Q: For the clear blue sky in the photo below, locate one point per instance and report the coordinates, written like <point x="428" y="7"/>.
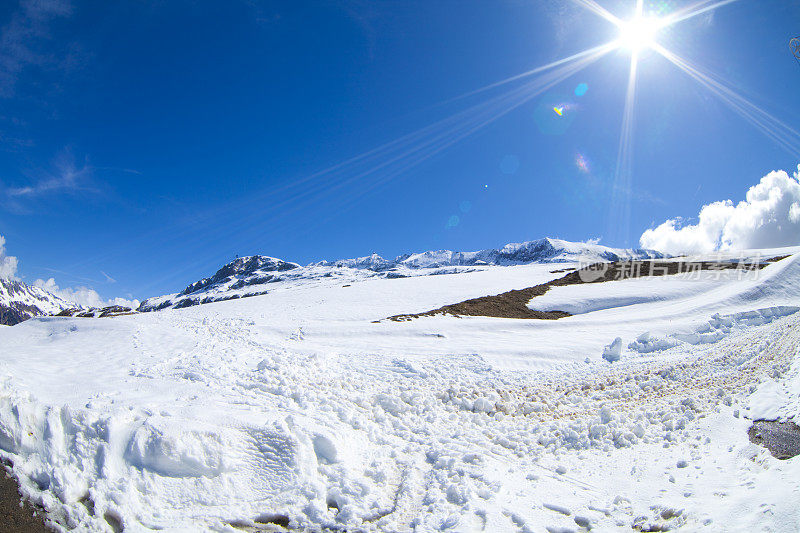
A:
<point x="153" y="141"/>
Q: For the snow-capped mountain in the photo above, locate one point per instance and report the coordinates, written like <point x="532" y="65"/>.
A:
<point x="19" y="302"/>
<point x="539" y="251"/>
<point x="255" y="275"/>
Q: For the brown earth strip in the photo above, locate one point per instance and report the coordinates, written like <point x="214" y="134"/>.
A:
<point x="13" y="517"/>
<point x="514" y="303"/>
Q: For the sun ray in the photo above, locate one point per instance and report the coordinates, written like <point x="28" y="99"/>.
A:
<point x="474" y="120"/>
<point x="784" y="135"/>
<point x="369" y="170"/>
<point x="694" y="10"/>
<point x="409" y="141"/>
<point x="603" y="48"/>
<point x="595" y="8"/>
<point x="431" y="140"/>
<point x="620" y="207"/>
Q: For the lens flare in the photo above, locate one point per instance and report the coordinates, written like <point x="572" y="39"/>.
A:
<point x="582" y="163"/>
<point x="639" y="33"/>
<point x="636" y="35"/>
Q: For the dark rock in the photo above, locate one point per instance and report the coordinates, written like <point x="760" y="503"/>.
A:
<point x="114" y="310"/>
<point x="241" y="268"/>
<point x="277" y="519"/>
<point x="186" y="302"/>
<point x="782" y="439"/>
<point x="19" y="313"/>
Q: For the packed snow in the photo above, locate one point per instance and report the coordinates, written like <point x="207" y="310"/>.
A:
<point x="303" y="409"/>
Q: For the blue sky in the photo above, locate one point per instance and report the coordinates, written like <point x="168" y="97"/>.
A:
<point x="144" y="144"/>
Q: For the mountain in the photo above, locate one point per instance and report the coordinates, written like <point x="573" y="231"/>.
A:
<point x="19" y="302"/>
<point x="254" y="275"/>
<point x="539" y="251"/>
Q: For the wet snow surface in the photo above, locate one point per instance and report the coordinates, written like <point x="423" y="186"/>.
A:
<point x="293" y="409"/>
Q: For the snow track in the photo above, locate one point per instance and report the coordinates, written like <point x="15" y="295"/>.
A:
<point x="293" y="410"/>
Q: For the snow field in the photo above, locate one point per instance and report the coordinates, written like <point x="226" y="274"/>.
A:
<point x="295" y="408"/>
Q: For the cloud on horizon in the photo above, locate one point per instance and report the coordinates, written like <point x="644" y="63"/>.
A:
<point x="83" y="296"/>
<point x="8" y="264"/>
<point x="769" y="217"/>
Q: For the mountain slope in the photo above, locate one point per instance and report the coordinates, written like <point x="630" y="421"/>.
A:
<point x="254" y="275"/>
<point x="19" y="302"/>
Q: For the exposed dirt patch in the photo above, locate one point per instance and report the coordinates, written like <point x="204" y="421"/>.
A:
<point x="782" y="439"/>
<point x="13" y="517"/>
<point x="514" y="303"/>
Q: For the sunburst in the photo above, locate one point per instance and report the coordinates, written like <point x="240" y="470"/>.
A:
<point x="641" y="33"/>
<point x="638" y="33"/>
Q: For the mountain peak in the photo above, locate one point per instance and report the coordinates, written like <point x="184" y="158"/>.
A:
<point x="20" y="301"/>
<point x="241" y="267"/>
<point x="249" y="275"/>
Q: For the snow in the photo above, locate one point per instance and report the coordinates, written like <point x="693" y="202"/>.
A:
<point x="296" y="406"/>
<point x="257" y="275"/>
<point x="613" y="351"/>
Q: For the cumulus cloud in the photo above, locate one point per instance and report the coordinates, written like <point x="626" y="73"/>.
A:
<point x="8" y="264"/>
<point x="83" y="296"/>
<point x="769" y="217"/>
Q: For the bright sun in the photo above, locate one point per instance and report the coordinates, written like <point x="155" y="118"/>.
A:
<point x="638" y="33"/>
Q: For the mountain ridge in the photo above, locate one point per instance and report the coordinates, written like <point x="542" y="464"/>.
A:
<point x="20" y="301"/>
<point x="250" y="275"/>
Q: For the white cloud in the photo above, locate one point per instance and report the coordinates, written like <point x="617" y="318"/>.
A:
<point x="8" y="264"/>
<point x="67" y="177"/>
<point x="769" y="217"/>
<point x="83" y="296"/>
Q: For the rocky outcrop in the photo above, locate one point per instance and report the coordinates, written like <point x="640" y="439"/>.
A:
<point x="20" y="301"/>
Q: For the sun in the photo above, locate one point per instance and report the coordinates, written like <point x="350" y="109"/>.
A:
<point x="638" y="33"/>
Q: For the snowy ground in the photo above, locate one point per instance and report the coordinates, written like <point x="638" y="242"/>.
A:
<point x="295" y="406"/>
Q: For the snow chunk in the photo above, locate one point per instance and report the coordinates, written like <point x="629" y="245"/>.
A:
<point x="557" y="508"/>
<point x="613" y="351"/>
<point x="325" y="449"/>
<point x="482" y="405"/>
<point x="391" y="404"/>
